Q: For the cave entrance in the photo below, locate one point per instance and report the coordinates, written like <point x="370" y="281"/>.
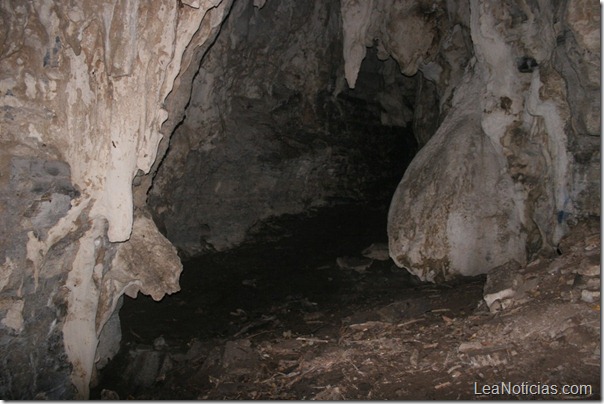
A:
<point x="275" y="189"/>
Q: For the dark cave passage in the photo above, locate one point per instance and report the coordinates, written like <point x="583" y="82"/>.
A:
<point x="272" y="129"/>
<point x="293" y="257"/>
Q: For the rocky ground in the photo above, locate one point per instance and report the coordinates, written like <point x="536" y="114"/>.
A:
<point x="305" y="314"/>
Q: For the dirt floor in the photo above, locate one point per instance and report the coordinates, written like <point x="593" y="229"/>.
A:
<point x="302" y="314"/>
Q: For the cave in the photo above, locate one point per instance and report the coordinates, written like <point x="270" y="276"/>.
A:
<point x="291" y="199"/>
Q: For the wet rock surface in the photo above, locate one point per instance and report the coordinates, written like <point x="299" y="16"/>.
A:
<point x="279" y="319"/>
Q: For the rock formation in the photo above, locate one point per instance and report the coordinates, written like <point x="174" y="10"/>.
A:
<point x="516" y="157"/>
<point x="271" y="128"/>
<point x="503" y="98"/>
<point x="83" y="89"/>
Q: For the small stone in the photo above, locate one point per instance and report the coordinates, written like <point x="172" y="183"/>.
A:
<point x="495" y="307"/>
<point x="357" y="264"/>
<point x="377" y="251"/>
<point x="165" y="368"/>
<point x="469" y="346"/>
<point x="143" y="367"/>
<point x="593" y="284"/>
<point x="499" y="296"/>
<point x="589" y="297"/>
<point x="329" y="394"/>
<point x="159" y="343"/>
<point x="592" y="270"/>
<point x="107" y="394"/>
<point x="554" y="269"/>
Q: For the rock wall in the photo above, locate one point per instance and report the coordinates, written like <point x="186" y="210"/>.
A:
<point x="516" y="158"/>
<point x="83" y="94"/>
<point x="271" y="128"/>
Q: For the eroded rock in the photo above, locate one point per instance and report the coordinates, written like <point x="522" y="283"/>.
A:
<point x="377" y="251"/>
<point x="271" y="130"/>
<point x="82" y="99"/>
<point x="498" y="180"/>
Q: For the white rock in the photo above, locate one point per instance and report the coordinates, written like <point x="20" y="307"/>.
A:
<point x="499" y="296"/>
<point x="589" y="296"/>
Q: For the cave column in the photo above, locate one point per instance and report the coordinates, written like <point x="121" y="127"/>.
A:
<point x="86" y="85"/>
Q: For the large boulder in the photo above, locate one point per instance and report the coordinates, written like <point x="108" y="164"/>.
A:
<point x="453" y="212"/>
<point x="515" y="160"/>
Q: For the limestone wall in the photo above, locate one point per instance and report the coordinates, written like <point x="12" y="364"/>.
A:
<point x="83" y="90"/>
<point x="273" y="129"/>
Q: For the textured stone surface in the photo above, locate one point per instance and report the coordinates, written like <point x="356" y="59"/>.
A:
<point x="506" y="170"/>
<point x="577" y="58"/>
<point x="268" y="131"/>
<point x="384" y="23"/>
<point x="36" y="192"/>
<point x="439" y="222"/>
<point x="83" y="91"/>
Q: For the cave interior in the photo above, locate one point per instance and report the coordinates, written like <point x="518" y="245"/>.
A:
<point x="297" y="199"/>
<point x="275" y="189"/>
<point x="311" y="177"/>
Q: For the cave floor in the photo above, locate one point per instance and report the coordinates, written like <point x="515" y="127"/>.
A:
<point x="284" y="318"/>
